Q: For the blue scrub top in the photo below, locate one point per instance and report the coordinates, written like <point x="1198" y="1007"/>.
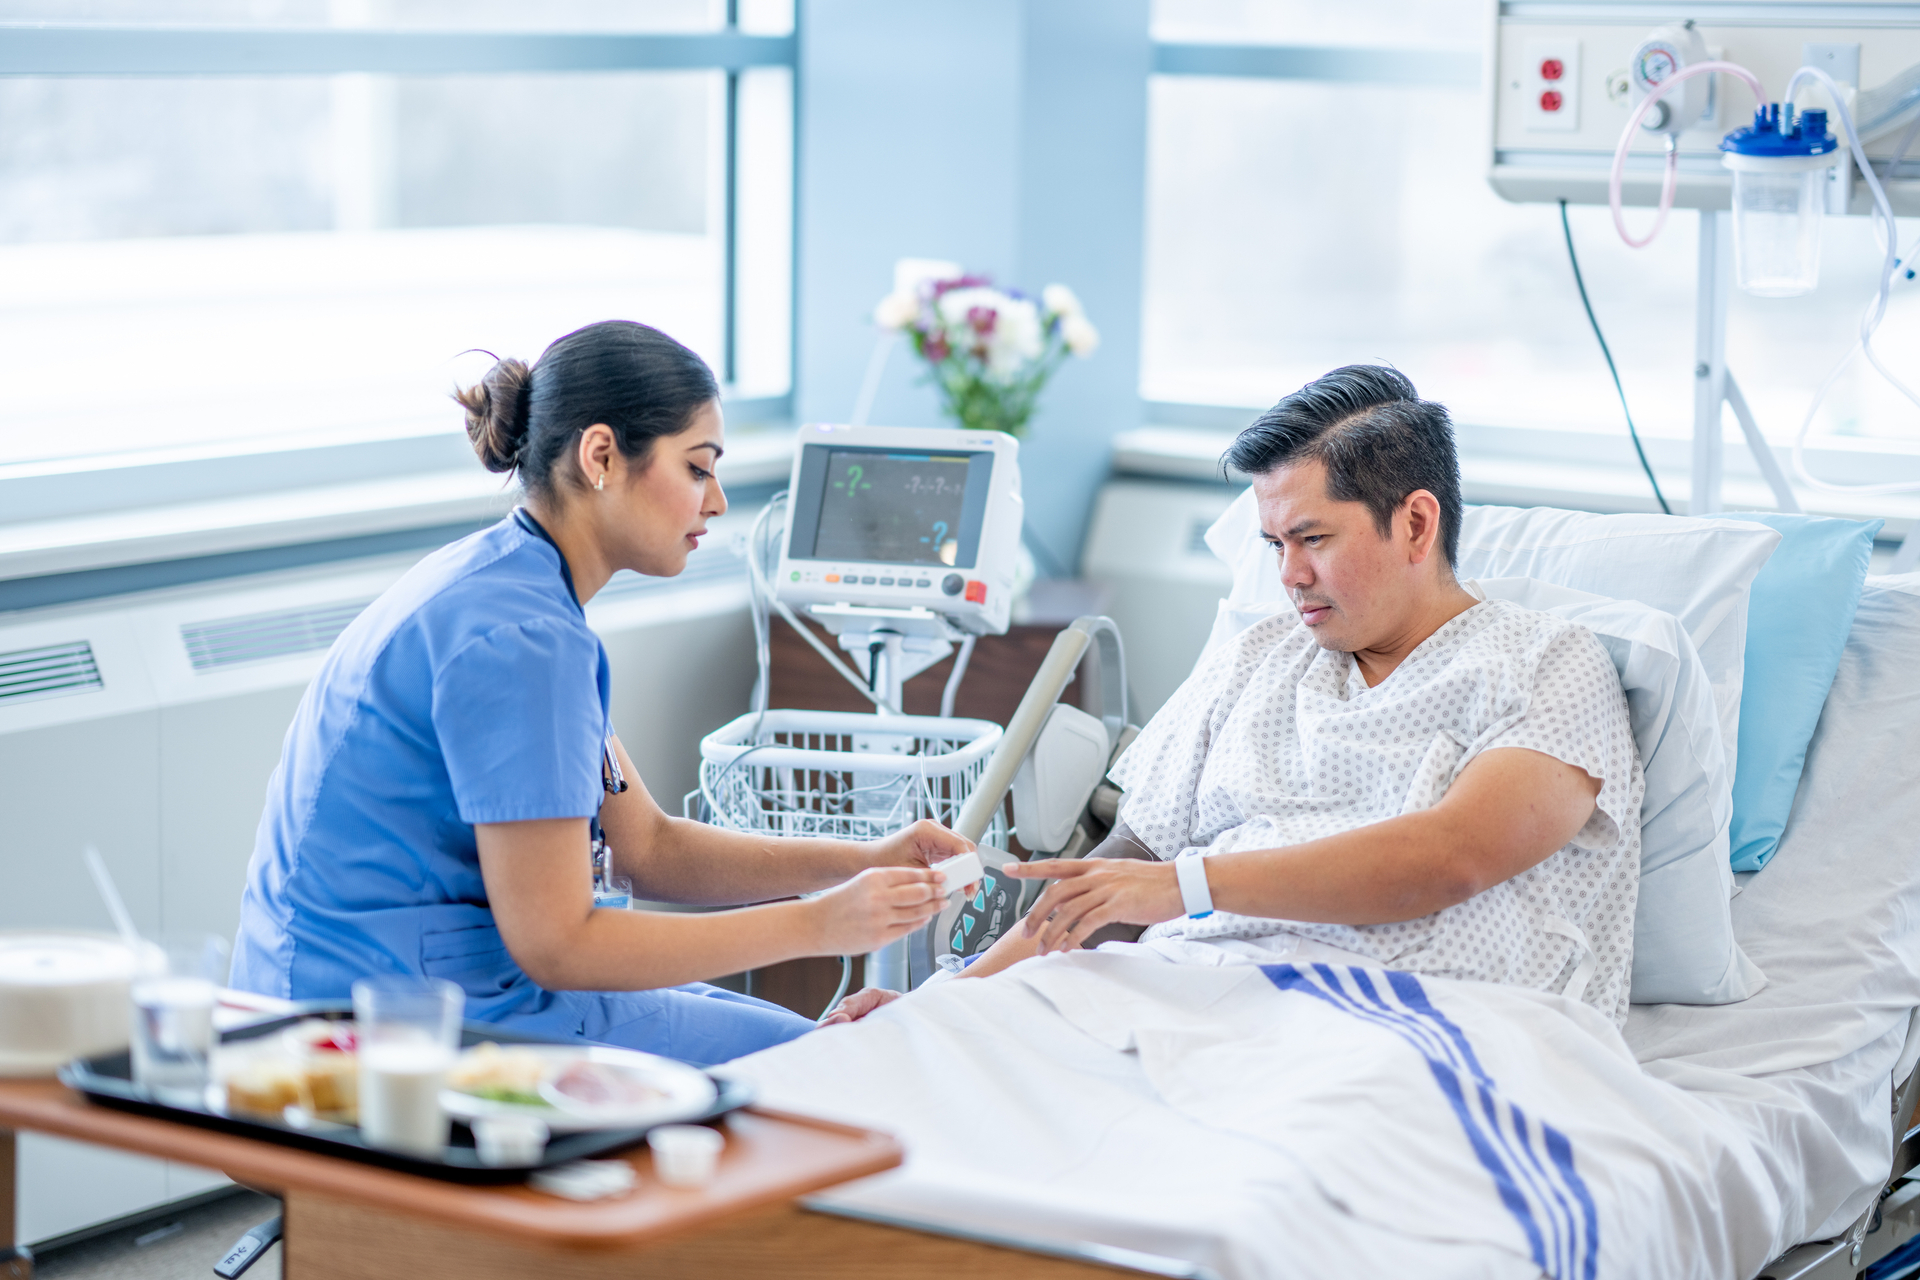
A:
<point x="471" y="691"/>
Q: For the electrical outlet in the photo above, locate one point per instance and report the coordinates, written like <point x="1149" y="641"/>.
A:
<point x="1549" y="81"/>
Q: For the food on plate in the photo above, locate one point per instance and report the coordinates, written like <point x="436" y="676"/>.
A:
<point x="588" y="1084"/>
<point x="264" y="1086"/>
<point x="510" y="1075"/>
<point x="312" y="1067"/>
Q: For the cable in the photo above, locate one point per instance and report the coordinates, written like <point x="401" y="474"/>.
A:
<point x="840" y="992"/>
<point x="1672" y="178"/>
<point x="1632" y="432"/>
<point x="1876" y="309"/>
<point x="960" y="661"/>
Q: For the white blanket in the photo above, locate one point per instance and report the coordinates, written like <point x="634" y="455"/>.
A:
<point x="1287" y="1121"/>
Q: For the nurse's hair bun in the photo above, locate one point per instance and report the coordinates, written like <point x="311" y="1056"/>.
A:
<point x="499" y="410"/>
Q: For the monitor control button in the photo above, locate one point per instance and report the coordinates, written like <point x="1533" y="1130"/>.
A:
<point x="886" y="582"/>
<point x="976" y="592"/>
<point x="866" y="582"/>
<point x="923" y="583"/>
<point x="953" y="584"/>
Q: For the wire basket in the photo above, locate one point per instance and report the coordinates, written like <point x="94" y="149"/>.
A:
<point x="839" y="773"/>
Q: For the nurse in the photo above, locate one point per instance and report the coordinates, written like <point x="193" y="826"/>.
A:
<point x="450" y="769"/>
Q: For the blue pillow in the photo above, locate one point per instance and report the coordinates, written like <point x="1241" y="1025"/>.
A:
<point x="1798" y="618"/>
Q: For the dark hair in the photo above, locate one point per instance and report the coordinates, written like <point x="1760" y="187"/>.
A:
<point x="637" y="380"/>
<point x="1378" y="440"/>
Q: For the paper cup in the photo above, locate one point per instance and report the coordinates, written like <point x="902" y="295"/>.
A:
<point x="685" y="1155"/>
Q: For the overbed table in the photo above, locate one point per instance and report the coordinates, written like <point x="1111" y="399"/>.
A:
<point x="344" y="1218"/>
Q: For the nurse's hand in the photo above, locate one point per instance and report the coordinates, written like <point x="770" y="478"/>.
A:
<point x="875" y="907"/>
<point x="859" y="1005"/>
<point x="920" y="845"/>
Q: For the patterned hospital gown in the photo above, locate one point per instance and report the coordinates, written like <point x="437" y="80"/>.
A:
<point x="1274" y="741"/>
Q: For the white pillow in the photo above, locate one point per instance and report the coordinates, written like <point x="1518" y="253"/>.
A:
<point x="1699" y="570"/>
<point x="1684" y="949"/>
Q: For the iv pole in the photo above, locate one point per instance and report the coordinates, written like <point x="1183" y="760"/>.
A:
<point x="1713" y="385"/>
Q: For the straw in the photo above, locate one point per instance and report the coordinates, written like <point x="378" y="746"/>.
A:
<point x="103" y="880"/>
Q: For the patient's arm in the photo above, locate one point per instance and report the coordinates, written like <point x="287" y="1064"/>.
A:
<point x="1509" y="810"/>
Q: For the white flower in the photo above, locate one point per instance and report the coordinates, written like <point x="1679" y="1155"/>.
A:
<point x="958" y="308"/>
<point x="1061" y="301"/>
<point x="1080" y="336"/>
<point x="1017" y="338"/>
<point x="897" y="310"/>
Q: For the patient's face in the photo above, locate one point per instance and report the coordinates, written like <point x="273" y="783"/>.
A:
<point x="1350" y="585"/>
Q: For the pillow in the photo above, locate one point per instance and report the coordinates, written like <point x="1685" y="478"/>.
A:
<point x="1698" y="570"/>
<point x="1798" y="620"/>
<point x="1683" y="945"/>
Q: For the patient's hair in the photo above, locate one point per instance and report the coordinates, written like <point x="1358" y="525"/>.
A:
<point x="637" y="380"/>
<point x="1378" y="440"/>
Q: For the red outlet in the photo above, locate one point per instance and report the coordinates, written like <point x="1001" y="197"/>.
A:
<point x="1551" y="100"/>
<point x="1552" y="69"/>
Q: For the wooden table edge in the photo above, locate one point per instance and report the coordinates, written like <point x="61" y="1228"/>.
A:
<point x="513" y="1211"/>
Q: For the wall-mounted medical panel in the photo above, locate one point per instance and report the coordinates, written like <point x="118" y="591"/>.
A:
<point x="1560" y="91"/>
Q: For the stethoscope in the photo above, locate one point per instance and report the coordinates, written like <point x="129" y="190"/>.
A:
<point x="612" y="780"/>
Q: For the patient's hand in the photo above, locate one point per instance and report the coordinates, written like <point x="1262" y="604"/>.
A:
<point x="1091" y="892"/>
<point x="859" y="1005"/>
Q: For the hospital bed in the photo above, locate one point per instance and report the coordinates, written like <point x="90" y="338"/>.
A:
<point x="1811" y="1083"/>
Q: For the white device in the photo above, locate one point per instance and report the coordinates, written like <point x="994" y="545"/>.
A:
<point x="1067" y="762"/>
<point x="912" y="530"/>
<point x="959" y="871"/>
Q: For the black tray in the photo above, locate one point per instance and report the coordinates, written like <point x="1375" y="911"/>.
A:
<point x="108" y="1080"/>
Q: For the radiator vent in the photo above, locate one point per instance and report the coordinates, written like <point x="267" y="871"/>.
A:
<point x="229" y="642"/>
<point x="50" y="672"/>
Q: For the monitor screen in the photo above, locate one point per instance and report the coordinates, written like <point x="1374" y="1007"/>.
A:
<point x="890" y="506"/>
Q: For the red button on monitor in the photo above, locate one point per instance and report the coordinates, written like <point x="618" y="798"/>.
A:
<point x="1552" y="69"/>
<point x="976" y="592"/>
<point x="1551" y="100"/>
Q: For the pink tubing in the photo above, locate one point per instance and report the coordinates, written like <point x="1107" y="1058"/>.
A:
<point x="1673" y="151"/>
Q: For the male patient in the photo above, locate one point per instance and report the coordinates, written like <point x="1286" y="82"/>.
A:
<point x="1394" y="772"/>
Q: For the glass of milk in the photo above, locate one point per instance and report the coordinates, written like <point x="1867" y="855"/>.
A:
<point x="174" y="990"/>
<point x="409" y="1033"/>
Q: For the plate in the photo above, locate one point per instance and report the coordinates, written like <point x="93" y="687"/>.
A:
<point x="684" y="1092"/>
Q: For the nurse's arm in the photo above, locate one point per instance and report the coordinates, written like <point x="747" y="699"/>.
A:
<point x="540" y="888"/>
<point x="674" y="860"/>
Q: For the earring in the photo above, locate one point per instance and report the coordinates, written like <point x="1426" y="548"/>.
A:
<point x="601" y="483"/>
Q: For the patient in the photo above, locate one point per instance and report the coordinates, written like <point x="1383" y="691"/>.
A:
<point x="1394" y="771"/>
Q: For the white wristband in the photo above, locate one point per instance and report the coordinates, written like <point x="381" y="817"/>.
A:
<point x="1194" y="894"/>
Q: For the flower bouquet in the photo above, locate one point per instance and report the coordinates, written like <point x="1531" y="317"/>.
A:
<point x="990" y="351"/>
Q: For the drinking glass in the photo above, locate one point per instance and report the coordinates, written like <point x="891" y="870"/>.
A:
<point x="409" y="1034"/>
<point x="176" y="985"/>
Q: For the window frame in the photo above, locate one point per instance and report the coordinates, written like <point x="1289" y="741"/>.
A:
<point x="68" y="492"/>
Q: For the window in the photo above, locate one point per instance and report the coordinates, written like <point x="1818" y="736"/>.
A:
<point x="230" y="260"/>
<point x="1294" y="225"/>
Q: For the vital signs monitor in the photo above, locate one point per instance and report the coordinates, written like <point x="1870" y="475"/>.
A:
<point x="899" y="522"/>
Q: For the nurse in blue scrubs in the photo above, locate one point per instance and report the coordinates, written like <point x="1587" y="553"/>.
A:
<point x="438" y="793"/>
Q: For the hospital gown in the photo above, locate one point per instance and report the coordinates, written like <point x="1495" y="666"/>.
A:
<point x="1274" y="741"/>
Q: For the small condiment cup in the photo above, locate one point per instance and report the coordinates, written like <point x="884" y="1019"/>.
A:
<point x="685" y="1155"/>
<point x="506" y="1140"/>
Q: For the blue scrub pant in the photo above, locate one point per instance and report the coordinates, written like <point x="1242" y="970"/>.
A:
<point x="697" y="1023"/>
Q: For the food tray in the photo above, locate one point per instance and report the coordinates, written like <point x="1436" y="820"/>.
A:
<point x="108" y="1080"/>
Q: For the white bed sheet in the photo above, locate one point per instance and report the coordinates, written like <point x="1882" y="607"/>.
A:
<point x="1792" y="1085"/>
<point x="1834" y="922"/>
